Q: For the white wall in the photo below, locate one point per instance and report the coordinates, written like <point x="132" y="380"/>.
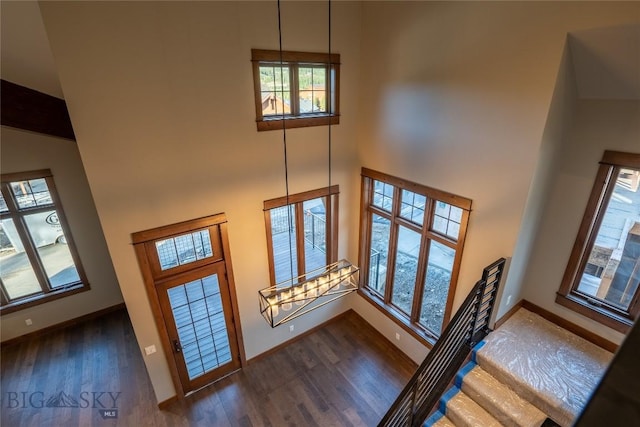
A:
<point x="598" y="125"/>
<point x="23" y="151"/>
<point x="456" y="96"/>
<point x="161" y="98"/>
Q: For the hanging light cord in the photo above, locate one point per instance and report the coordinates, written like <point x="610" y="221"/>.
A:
<point x="329" y="99"/>
<point x="284" y="143"/>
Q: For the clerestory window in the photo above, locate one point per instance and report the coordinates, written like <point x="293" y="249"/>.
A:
<point x="299" y="87"/>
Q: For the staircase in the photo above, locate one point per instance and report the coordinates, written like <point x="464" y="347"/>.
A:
<point x="528" y="373"/>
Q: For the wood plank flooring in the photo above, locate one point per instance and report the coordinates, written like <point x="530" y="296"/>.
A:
<point x="345" y="374"/>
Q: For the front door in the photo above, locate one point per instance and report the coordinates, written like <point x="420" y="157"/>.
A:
<point x="186" y="268"/>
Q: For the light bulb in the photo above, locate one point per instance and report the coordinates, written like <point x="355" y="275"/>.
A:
<point x="298" y="293"/>
<point x="273" y="303"/>
<point x="286" y="300"/>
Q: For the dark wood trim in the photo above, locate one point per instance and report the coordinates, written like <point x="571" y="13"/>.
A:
<point x="507" y="315"/>
<point x="452" y="199"/>
<point x="617" y="158"/>
<point x="297" y="122"/>
<point x="395" y="315"/>
<point x="300" y="197"/>
<point x="231" y="284"/>
<point x="34" y="111"/>
<point x="178" y="228"/>
<point x="292" y="56"/>
<point x="62" y="325"/>
<point x="571" y="327"/>
<point x="165" y="404"/>
<point x="597" y="314"/>
<point x="24" y="176"/>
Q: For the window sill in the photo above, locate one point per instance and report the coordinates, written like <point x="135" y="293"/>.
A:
<point x="598" y="314"/>
<point x="400" y="319"/>
<point x="31" y="301"/>
<point x="297" y="122"/>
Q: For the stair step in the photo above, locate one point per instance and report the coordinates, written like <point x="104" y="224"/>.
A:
<point x="546" y="365"/>
<point x="464" y="412"/>
<point x="438" y="419"/>
<point x="498" y="399"/>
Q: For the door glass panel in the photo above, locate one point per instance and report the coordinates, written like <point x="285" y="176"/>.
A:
<point x="184" y="249"/>
<point x="199" y="317"/>
<point x="380" y="231"/>
<point x="315" y="234"/>
<point x="612" y="272"/>
<point x="283" y="235"/>
<point x="49" y="239"/>
<point x="15" y="269"/>
<point x="406" y="268"/>
<point x="436" y="286"/>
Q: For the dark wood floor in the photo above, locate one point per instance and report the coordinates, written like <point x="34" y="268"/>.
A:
<point x="345" y="374"/>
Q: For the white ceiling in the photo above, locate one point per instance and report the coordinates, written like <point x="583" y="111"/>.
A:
<point x="606" y="60"/>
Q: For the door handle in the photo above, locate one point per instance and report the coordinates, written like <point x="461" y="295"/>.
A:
<point x="176" y="346"/>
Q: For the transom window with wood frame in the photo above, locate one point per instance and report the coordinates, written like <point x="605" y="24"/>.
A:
<point x="302" y="233"/>
<point x="301" y="87"/>
<point x="38" y="258"/>
<point x="603" y="273"/>
<point x="411" y="242"/>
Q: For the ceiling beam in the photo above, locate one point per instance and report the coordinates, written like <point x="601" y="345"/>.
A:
<point x="28" y="109"/>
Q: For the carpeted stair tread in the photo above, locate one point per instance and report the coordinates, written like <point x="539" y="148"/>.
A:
<point x="544" y="364"/>
<point x="498" y="399"/>
<point x="464" y="412"/>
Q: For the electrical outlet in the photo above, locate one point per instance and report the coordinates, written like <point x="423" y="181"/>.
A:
<point x="291" y="328"/>
<point x="397" y="336"/>
<point x="509" y="300"/>
<point x="150" y="350"/>
<point x="28" y="322"/>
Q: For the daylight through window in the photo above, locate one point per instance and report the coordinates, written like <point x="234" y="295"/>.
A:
<point x="302" y="235"/>
<point x="602" y="276"/>
<point x="303" y="88"/>
<point x="38" y="260"/>
<point x="411" y="248"/>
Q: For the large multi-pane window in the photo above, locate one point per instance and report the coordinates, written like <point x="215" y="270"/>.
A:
<point x="603" y="273"/>
<point x="412" y="240"/>
<point x="302" y="233"/>
<point x="38" y="260"/>
<point x="300" y="87"/>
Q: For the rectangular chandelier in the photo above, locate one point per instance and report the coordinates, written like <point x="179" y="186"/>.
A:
<point x="293" y="298"/>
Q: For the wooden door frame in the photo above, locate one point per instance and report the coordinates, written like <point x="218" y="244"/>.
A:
<point x="139" y="240"/>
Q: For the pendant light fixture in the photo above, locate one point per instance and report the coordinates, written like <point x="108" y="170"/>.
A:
<point x="299" y="295"/>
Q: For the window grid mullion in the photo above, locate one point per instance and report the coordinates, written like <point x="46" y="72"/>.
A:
<point x="300" y="253"/>
<point x="32" y="254"/>
<point x="423" y="261"/>
<point x="393" y="245"/>
<point x="294" y="90"/>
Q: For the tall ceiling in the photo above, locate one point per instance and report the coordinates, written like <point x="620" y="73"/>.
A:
<point x="606" y="60"/>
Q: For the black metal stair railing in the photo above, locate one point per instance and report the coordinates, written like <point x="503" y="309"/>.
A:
<point x="468" y="327"/>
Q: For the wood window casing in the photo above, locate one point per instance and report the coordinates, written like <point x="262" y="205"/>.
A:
<point x="156" y="280"/>
<point x="568" y="294"/>
<point x="18" y="215"/>
<point x="293" y="60"/>
<point x="409" y="321"/>
<point x="331" y="203"/>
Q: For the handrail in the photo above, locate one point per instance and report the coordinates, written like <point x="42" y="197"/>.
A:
<point x="468" y="327"/>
